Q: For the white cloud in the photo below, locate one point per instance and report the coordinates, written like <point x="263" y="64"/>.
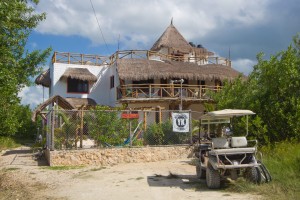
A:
<point x="244" y="65"/>
<point x="144" y="20"/>
<point x="33" y="95"/>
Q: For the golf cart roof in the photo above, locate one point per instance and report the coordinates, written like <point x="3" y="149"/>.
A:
<point x="227" y="113"/>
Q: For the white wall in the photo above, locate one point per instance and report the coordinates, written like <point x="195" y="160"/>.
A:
<point x="98" y="90"/>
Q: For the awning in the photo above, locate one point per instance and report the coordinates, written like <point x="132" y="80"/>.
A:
<point x="80" y="74"/>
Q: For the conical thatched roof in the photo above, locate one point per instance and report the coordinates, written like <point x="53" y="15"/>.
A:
<point x="80" y="74"/>
<point x="140" y="69"/>
<point x="172" y="39"/>
<point x="44" y="79"/>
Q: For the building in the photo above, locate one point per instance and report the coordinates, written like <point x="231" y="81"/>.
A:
<point x="174" y="74"/>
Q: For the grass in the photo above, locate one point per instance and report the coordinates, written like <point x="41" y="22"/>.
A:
<point x="8" y="143"/>
<point x="10" y="169"/>
<point x="283" y="162"/>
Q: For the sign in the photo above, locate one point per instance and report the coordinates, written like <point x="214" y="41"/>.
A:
<point x="181" y="122"/>
<point x="130" y="115"/>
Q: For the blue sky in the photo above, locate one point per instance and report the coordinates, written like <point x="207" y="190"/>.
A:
<point x="246" y="27"/>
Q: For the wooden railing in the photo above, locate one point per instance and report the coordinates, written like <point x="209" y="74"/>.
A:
<point x="97" y="60"/>
<point x="157" y="91"/>
<point x="79" y="59"/>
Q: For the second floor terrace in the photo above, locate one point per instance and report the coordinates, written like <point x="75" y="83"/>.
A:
<point x="165" y="92"/>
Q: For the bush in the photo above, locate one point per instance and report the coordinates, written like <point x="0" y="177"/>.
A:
<point x="106" y="127"/>
<point x="162" y="134"/>
<point x="7" y="143"/>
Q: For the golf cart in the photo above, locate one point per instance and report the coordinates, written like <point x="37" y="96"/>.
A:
<point x="221" y="155"/>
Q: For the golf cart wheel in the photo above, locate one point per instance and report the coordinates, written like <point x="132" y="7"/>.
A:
<point x="213" y="178"/>
<point x="201" y="173"/>
<point x="252" y="174"/>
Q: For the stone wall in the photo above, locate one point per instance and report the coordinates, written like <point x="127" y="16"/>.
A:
<point x="113" y="156"/>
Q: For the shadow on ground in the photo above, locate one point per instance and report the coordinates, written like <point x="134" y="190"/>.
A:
<point x="26" y="156"/>
<point x="185" y="182"/>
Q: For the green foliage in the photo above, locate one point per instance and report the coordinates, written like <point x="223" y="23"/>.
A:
<point x="26" y="129"/>
<point x="106" y="127"/>
<point x="283" y="162"/>
<point x="17" y="65"/>
<point x="154" y="134"/>
<point x="272" y="91"/>
<point x="8" y="143"/>
<point x="66" y="135"/>
<point x="162" y="134"/>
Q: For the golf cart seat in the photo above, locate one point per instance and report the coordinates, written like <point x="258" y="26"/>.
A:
<point x="232" y="151"/>
<point x="220" y="143"/>
<point x="238" y="142"/>
<point x="238" y="145"/>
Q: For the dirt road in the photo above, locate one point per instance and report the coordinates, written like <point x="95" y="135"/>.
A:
<point x="24" y="178"/>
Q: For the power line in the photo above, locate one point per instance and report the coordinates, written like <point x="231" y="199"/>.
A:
<point x="99" y="26"/>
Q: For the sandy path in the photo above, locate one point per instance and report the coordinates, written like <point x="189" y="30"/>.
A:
<point x="157" y="180"/>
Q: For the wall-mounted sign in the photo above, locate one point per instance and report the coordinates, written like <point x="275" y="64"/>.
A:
<point x="181" y="122"/>
<point x="130" y="115"/>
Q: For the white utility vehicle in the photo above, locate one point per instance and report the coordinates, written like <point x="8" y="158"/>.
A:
<point x="221" y="155"/>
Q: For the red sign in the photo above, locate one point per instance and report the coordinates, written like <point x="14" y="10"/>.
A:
<point x="130" y="116"/>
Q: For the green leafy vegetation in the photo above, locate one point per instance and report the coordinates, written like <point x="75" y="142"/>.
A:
<point x="162" y="134"/>
<point x="107" y="128"/>
<point x="271" y="91"/>
<point x="17" y="64"/>
<point x="8" y="143"/>
<point x="283" y="162"/>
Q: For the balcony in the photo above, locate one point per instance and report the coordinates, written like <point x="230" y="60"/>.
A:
<point x="161" y="92"/>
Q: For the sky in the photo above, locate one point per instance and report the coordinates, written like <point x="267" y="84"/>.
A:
<point x="244" y="27"/>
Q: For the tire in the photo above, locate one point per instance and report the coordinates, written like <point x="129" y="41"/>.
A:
<point x="213" y="178"/>
<point x="201" y="173"/>
<point x="253" y="175"/>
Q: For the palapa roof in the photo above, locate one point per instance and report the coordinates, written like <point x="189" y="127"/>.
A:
<point x="142" y="69"/>
<point x="44" y="79"/>
<point x="79" y="73"/>
<point x="172" y="38"/>
<point x="60" y="101"/>
<point x="78" y="102"/>
<point x="64" y="103"/>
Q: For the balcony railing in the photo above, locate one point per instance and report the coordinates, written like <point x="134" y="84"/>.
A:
<point x="165" y="91"/>
<point x="97" y="60"/>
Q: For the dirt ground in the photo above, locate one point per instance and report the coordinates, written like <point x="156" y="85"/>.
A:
<point x="23" y="177"/>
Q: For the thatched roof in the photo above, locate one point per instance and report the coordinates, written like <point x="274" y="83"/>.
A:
<point x="142" y="69"/>
<point x="78" y="102"/>
<point x="60" y="101"/>
<point x="44" y="79"/>
<point x="172" y="39"/>
<point x="80" y="74"/>
<point x="64" y="103"/>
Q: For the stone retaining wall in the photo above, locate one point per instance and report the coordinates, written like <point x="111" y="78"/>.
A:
<point x="113" y="156"/>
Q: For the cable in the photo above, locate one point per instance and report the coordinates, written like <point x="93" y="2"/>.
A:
<point x="99" y="26"/>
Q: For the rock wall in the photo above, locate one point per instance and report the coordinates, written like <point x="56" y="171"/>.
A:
<point x="113" y="156"/>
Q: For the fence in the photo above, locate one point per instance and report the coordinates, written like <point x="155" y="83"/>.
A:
<point x="109" y="128"/>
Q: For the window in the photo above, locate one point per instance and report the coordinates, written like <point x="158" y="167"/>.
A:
<point x="77" y="86"/>
<point x="112" y="82"/>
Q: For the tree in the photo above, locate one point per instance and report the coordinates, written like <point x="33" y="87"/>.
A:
<point x="272" y="91"/>
<point x="17" y="65"/>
